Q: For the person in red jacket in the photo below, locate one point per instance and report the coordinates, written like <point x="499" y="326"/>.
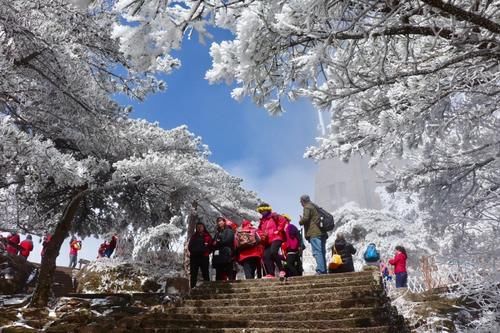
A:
<point x="101" y="252"/>
<point x="292" y="248"/>
<point x="27" y="246"/>
<point x="399" y="263"/>
<point x="75" y="245"/>
<point x="249" y="256"/>
<point x="12" y="243"/>
<point x="199" y="251"/>
<point x="111" y="246"/>
<point x="271" y="231"/>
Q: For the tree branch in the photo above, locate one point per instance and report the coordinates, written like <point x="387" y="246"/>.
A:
<point x="465" y="15"/>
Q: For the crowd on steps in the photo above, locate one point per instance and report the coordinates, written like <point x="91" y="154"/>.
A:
<point x="12" y="244"/>
<point x="273" y="247"/>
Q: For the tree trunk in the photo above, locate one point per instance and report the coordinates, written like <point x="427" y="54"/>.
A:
<point x="48" y="266"/>
<point x="193" y="218"/>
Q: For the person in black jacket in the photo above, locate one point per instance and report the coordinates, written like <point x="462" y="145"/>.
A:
<point x="199" y="250"/>
<point x="223" y="245"/>
<point x="346" y="250"/>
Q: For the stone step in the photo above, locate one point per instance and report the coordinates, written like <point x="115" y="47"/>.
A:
<point x="153" y="322"/>
<point x="273" y="308"/>
<point x="298" y="279"/>
<point x="293" y="316"/>
<point x="281" y="286"/>
<point x="274" y="293"/>
<point x="378" y="329"/>
<point x="359" y="292"/>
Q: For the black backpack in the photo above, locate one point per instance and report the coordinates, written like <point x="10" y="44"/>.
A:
<point x="326" y="222"/>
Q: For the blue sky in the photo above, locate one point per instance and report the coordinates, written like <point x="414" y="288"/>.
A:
<point x="265" y="151"/>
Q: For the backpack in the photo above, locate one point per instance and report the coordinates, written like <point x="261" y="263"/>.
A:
<point x="293" y="238"/>
<point x="335" y="261"/>
<point x="246" y="238"/>
<point x="326" y="222"/>
<point x="371" y="253"/>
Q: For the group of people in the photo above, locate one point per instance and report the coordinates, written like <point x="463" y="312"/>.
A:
<point x="14" y="246"/>
<point x="107" y="248"/>
<point x="274" y="248"/>
<point x="372" y="258"/>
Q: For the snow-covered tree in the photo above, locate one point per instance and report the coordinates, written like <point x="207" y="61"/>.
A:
<point x="71" y="159"/>
<point x="415" y="79"/>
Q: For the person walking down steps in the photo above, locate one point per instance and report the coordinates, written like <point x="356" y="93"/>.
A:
<point x="248" y="248"/>
<point x="199" y="251"/>
<point x="292" y="248"/>
<point x="223" y="246"/>
<point x="271" y="232"/>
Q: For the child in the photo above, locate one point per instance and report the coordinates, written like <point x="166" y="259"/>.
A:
<point x="399" y="263"/>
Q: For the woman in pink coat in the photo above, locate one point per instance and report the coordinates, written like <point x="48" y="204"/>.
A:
<point x="271" y="231"/>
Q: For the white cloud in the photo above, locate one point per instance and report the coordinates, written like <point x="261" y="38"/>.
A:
<point x="281" y="187"/>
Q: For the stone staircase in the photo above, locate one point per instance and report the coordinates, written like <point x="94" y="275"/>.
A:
<point x="350" y="302"/>
<point x="63" y="281"/>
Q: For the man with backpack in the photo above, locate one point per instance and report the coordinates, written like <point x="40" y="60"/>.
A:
<point x="371" y="255"/>
<point x="311" y="219"/>
<point x="199" y="251"/>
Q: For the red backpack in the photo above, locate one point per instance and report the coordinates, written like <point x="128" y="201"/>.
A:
<point x="245" y="239"/>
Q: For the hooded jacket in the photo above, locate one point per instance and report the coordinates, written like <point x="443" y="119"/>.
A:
<point x="27" y="246"/>
<point x="399" y="262"/>
<point x="271" y="227"/>
<point x="12" y="241"/>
